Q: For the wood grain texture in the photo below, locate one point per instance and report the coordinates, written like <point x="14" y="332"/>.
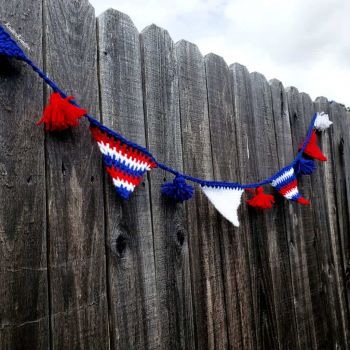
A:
<point x="81" y="268"/>
<point x="330" y="257"/>
<point x="234" y="248"/>
<point x="171" y="253"/>
<point x="79" y="318"/>
<point x="319" y="300"/>
<point x="289" y="226"/>
<point x="276" y="325"/>
<point x="133" y="297"/>
<point x="246" y="149"/>
<point x="205" y="257"/>
<point x="24" y="308"/>
<point x="340" y="146"/>
<point x="303" y="236"/>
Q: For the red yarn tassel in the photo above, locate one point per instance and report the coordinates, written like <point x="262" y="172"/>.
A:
<point x="60" y="114"/>
<point x="303" y="201"/>
<point x="312" y="149"/>
<point x="261" y="200"/>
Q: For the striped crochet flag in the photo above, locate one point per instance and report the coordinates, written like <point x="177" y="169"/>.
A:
<point x="126" y="163"/>
<point x="286" y="184"/>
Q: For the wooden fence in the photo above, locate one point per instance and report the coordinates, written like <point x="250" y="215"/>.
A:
<point x="82" y="269"/>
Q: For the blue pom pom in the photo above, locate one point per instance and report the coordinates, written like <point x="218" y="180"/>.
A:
<point x="178" y="190"/>
<point x="304" y="166"/>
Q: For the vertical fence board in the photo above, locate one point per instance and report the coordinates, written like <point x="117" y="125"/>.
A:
<point x="205" y="259"/>
<point x="134" y="315"/>
<point x="341" y="157"/>
<point x="331" y="269"/>
<point x="225" y="165"/>
<point x="161" y="104"/>
<point x="321" y="320"/>
<point x="303" y="236"/>
<point x="75" y="197"/>
<point x="340" y="142"/>
<point x="276" y="320"/>
<point x="286" y="223"/>
<point x="246" y="146"/>
<point x="24" y="311"/>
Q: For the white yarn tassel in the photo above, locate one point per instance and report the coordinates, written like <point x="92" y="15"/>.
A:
<point x="322" y="122"/>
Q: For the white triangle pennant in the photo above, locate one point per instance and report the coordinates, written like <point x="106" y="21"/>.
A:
<point x="225" y="200"/>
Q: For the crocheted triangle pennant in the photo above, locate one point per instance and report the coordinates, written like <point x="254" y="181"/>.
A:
<point x="286" y="184"/>
<point x="8" y="47"/>
<point x="126" y="163"/>
<point x="225" y="200"/>
<point x="312" y="149"/>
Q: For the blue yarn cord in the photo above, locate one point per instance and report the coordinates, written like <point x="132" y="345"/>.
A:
<point x="245" y="186"/>
<point x="218" y="184"/>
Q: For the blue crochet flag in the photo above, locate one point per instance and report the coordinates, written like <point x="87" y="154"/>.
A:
<point x="8" y="47"/>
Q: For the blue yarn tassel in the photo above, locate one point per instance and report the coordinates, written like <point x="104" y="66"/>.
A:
<point x="8" y="47"/>
<point x="305" y="166"/>
<point x="178" y="190"/>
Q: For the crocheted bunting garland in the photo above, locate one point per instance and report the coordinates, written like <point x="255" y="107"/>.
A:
<point x="286" y="184"/>
<point x="126" y="163"/>
<point x="8" y="47"/>
<point x="225" y="200"/>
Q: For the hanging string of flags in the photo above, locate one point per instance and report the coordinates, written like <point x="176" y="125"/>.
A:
<point x="126" y="162"/>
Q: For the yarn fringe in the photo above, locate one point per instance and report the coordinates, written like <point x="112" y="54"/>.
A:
<point x="261" y="200"/>
<point x="60" y="113"/>
<point x="303" y="201"/>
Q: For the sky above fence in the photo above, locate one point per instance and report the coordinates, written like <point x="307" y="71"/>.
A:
<point x="302" y="43"/>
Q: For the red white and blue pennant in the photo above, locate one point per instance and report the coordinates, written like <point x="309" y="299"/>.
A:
<point x="125" y="162"/>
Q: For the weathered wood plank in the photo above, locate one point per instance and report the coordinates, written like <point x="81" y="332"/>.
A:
<point x="233" y="240"/>
<point x="302" y="237"/>
<point x="258" y="160"/>
<point x="243" y="109"/>
<point x="24" y="309"/>
<point x="326" y="303"/>
<point x="276" y="324"/>
<point x="340" y="146"/>
<point x="134" y="310"/>
<point x="205" y="258"/>
<point x="341" y="158"/>
<point x="161" y="106"/>
<point x="267" y="247"/>
<point x="330" y="257"/>
<point x="319" y="301"/>
<point x="75" y="192"/>
<point x="290" y="226"/>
